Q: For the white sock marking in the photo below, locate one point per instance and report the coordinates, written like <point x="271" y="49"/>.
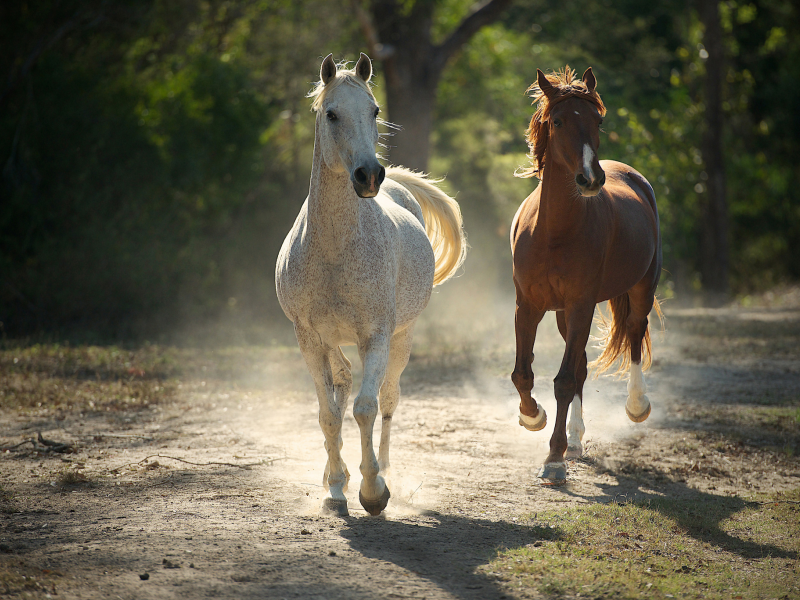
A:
<point x="637" y="401"/>
<point x="575" y="427"/>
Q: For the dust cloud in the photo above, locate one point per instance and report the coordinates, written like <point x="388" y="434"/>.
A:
<point x="458" y="405"/>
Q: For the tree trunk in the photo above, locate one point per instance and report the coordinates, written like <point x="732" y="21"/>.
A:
<point x="400" y="37"/>
<point x="412" y="77"/>
<point x="714" y="257"/>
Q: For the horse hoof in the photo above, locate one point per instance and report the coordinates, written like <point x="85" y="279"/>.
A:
<point x="554" y="472"/>
<point x="375" y="507"/>
<point x="331" y="507"/>
<point x="536" y="423"/>
<point x="642" y="417"/>
<point x="574" y="452"/>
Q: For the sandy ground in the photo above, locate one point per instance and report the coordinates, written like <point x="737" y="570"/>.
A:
<point x="463" y="481"/>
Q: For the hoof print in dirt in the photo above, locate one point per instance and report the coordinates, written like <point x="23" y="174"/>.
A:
<point x="334" y="508"/>
<point x="553" y="473"/>
<point x="144" y="576"/>
<point x="375" y="507"/>
<point x="168" y="564"/>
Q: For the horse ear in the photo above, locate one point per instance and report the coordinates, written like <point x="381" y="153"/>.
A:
<point x="364" y="67"/>
<point x="589" y="79"/>
<point x="328" y="69"/>
<point x="544" y="84"/>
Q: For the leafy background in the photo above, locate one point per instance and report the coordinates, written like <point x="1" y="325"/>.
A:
<point x="154" y="153"/>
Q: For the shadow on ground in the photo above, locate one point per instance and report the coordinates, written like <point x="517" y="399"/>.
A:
<point x="698" y="513"/>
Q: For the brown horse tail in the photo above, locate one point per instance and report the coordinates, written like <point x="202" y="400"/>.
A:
<point x="614" y="340"/>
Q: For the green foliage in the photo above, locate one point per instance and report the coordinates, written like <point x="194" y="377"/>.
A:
<point x="152" y="168"/>
<point x="155" y="153"/>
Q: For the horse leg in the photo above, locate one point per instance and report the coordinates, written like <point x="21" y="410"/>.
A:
<point x="575" y="426"/>
<point x="578" y="319"/>
<point x="373" y="495"/>
<point x="526" y="321"/>
<point x="399" y="353"/>
<point x="637" y="405"/>
<point x="317" y="359"/>
<point x="342" y="386"/>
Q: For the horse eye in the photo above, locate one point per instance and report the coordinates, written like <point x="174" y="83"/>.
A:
<point x="377" y="112"/>
<point x="331" y="115"/>
<point x="601" y="122"/>
<point x="557" y="122"/>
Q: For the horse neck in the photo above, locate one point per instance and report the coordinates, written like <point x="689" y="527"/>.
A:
<point x="332" y="205"/>
<point x="560" y="204"/>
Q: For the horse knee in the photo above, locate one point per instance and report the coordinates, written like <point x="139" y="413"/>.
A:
<point x="522" y="381"/>
<point x="365" y="409"/>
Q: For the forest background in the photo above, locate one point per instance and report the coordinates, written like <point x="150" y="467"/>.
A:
<point x="154" y="153"/>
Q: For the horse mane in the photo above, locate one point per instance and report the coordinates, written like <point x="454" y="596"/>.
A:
<point x="343" y="76"/>
<point x="537" y="134"/>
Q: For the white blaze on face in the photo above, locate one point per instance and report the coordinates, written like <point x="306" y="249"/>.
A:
<point x="588" y="155"/>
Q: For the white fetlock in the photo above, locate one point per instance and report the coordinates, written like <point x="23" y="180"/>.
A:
<point x="374" y="498"/>
<point x="638" y="409"/>
<point x="575" y="429"/>
<point x="374" y="490"/>
<point x="638" y="405"/>
<point x="536" y="423"/>
<point x="334" y="503"/>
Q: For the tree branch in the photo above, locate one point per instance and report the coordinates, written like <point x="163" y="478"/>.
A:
<point x="376" y="50"/>
<point x="485" y="15"/>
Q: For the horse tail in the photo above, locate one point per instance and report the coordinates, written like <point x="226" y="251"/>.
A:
<point x="443" y="223"/>
<point x="614" y="340"/>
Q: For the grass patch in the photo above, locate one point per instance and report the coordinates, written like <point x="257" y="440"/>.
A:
<point x="85" y="379"/>
<point x="71" y="477"/>
<point x="19" y="580"/>
<point x="775" y="428"/>
<point x="7" y="505"/>
<point x="717" y="548"/>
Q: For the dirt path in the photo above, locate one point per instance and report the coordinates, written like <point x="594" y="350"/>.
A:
<point x="723" y="388"/>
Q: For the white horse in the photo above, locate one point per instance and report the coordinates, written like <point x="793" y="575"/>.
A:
<point x="357" y="268"/>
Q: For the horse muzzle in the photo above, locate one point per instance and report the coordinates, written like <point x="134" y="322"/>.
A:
<point x="367" y="180"/>
<point x="590" y="186"/>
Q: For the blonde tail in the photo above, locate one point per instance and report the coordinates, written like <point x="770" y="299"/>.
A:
<point x="614" y="337"/>
<point x="443" y="222"/>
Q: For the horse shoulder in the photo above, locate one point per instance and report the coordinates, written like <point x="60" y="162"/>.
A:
<point x="289" y="270"/>
<point x="526" y="217"/>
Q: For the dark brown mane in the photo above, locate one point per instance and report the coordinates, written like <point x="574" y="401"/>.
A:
<point x="566" y="86"/>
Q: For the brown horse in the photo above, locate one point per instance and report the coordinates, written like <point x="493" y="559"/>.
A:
<point x="587" y="234"/>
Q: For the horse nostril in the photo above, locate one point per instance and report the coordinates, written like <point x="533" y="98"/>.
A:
<point x="581" y="180"/>
<point x="601" y="180"/>
<point x="360" y="175"/>
<point x="381" y="175"/>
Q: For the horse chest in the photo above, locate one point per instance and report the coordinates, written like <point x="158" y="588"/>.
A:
<point x="339" y="296"/>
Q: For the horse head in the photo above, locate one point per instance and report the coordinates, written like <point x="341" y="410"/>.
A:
<point x="566" y="127"/>
<point x="347" y="116"/>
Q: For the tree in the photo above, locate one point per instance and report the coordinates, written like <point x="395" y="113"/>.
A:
<point x="714" y="254"/>
<point x="398" y="35"/>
